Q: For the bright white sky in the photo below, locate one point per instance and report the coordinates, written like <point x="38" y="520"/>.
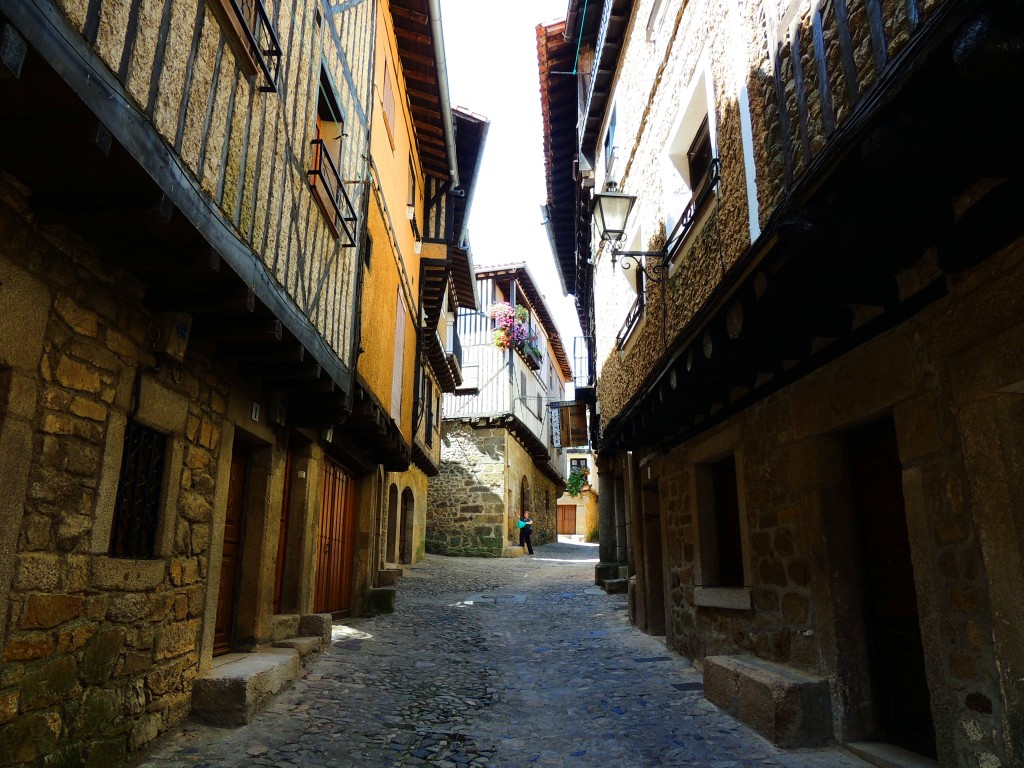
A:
<point x="492" y="71"/>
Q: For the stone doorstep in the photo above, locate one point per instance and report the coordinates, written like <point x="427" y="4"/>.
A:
<point x="615" y="586"/>
<point x="304" y="646"/>
<point x="788" y="707"/>
<point x="888" y="755"/>
<point x="388" y="577"/>
<point x="283" y="626"/>
<point x="238" y="685"/>
<point x="513" y="550"/>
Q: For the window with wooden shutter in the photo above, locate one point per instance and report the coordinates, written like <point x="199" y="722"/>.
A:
<point x="388" y="99"/>
<point x="399" y="361"/>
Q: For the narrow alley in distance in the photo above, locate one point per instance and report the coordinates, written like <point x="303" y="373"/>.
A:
<point x="492" y="662"/>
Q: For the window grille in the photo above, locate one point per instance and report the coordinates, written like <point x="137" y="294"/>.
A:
<point x="138" y="493"/>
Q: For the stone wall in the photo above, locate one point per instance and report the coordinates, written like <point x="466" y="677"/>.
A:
<point x="543" y="494"/>
<point x="99" y="653"/>
<point x="474" y="503"/>
<point x="754" y="47"/>
<point x="466" y="501"/>
<point x="936" y="376"/>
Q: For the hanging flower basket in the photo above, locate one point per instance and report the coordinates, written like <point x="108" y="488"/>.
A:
<point x="512" y="331"/>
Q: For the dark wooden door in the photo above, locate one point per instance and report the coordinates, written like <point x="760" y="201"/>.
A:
<point x="893" y="632"/>
<point x="233" y="526"/>
<point x="567" y="519"/>
<point x="335" y="541"/>
<point x="282" y="534"/>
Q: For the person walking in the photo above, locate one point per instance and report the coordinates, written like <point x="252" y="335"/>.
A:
<point x="526" y="532"/>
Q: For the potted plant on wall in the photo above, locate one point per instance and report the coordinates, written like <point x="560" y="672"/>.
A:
<point x="512" y="331"/>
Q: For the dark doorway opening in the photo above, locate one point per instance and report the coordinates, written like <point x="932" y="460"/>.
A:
<point x="892" y="626"/>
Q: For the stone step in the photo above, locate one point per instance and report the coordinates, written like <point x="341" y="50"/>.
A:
<point x="787" y="706"/>
<point x="238" y="685"/>
<point x="304" y="646"/>
<point x="284" y="625"/>
<point x="888" y="755"/>
<point x="513" y="550"/>
<point x="389" y="576"/>
<point x="614" y="586"/>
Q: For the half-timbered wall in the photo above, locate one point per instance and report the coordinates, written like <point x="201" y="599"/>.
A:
<point x="249" y="150"/>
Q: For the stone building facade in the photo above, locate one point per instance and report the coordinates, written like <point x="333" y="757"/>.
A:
<point x="814" y="329"/>
<point x="497" y="455"/>
<point x="190" y="470"/>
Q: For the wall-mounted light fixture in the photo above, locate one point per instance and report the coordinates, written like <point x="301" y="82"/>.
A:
<point x="611" y="212"/>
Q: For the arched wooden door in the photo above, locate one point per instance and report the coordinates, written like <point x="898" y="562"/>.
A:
<point x="408" y="515"/>
<point x="335" y="541"/>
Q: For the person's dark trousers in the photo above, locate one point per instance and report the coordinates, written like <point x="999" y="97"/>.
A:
<point x="525" y="539"/>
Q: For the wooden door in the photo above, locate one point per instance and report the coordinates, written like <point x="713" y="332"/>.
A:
<point x="282" y="534"/>
<point x="234" y="523"/>
<point x="893" y="628"/>
<point x="567" y="519"/>
<point x="335" y="542"/>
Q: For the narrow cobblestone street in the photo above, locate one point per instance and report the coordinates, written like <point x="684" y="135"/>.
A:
<point x="510" y="662"/>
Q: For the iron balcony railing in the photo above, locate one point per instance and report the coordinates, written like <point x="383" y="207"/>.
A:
<point x="262" y="39"/>
<point x="326" y="171"/>
<point x="705" y="191"/>
<point x="636" y="312"/>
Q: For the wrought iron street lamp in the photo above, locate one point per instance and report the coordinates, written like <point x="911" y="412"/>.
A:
<point x="611" y="211"/>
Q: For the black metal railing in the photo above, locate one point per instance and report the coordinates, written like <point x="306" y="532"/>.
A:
<point x="705" y="190"/>
<point x="261" y="38"/>
<point x="333" y="190"/>
<point x="636" y="312"/>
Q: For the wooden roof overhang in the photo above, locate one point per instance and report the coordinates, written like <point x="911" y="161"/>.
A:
<point x="416" y="50"/>
<point x="534" y="298"/>
<point x="94" y="165"/>
<point x="558" y="101"/>
<point x="602" y="26"/>
<point x="470" y="136"/>
<point x="434" y="278"/>
<point x="899" y="186"/>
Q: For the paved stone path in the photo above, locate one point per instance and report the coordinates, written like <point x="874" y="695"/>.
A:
<point x="486" y="662"/>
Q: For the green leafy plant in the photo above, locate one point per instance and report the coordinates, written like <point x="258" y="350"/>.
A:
<point x="577" y="480"/>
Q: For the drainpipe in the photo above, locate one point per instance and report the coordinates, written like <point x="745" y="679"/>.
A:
<point x="570" y="20"/>
<point x="442" y="84"/>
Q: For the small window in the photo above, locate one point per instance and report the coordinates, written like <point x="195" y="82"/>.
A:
<point x="388" y="104"/>
<point x="428" y="403"/>
<point x="367" y="249"/>
<point x="609" y="144"/>
<point x="137" y="506"/>
<point x="721" y="543"/>
<point x="575" y="464"/>
<point x="5" y="389"/>
<point x="325" y="175"/>
<point x="699" y="157"/>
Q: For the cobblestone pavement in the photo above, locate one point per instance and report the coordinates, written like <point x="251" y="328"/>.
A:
<point x="492" y="662"/>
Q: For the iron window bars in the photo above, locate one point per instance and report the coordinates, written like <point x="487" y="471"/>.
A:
<point x="326" y="171"/>
<point x="262" y="39"/>
<point x="138" y="493"/>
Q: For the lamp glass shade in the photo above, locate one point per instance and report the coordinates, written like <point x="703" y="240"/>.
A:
<point x="611" y="211"/>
